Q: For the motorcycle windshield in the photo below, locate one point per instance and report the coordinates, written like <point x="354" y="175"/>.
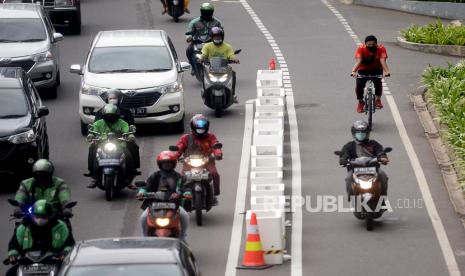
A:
<point x="218" y="65"/>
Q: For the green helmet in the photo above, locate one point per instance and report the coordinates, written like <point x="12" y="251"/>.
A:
<point x="110" y="109"/>
<point x="42" y="211"/>
<point x="207" y="7"/>
<point x="42" y="166"/>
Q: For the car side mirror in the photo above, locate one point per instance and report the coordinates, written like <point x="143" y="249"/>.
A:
<point x="173" y="148"/>
<point x="57" y="37"/>
<point x="237" y="51"/>
<point x="185" y="66"/>
<point x="75" y="69"/>
<point x="218" y="146"/>
<point x="388" y="149"/>
<point x="42" y="111"/>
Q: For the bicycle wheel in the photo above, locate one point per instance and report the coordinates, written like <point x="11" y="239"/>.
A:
<point x="369" y="107"/>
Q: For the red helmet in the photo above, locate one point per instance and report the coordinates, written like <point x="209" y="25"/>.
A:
<point x="200" y="125"/>
<point x="167" y="157"/>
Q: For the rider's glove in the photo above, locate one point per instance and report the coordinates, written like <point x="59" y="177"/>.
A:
<point x="219" y="157"/>
<point x="174" y="196"/>
<point x="131" y="138"/>
<point x="90" y="137"/>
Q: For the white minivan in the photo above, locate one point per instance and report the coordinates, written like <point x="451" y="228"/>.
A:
<point x="144" y="65"/>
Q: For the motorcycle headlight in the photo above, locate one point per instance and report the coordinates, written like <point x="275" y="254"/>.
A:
<point x="162" y="222"/>
<point x="42" y="57"/>
<point x="171" y="88"/>
<point x="109" y="147"/>
<point x="221" y="78"/>
<point x="92" y="90"/>
<point x="64" y="3"/>
<point x="366" y="184"/>
<point x="196" y="163"/>
<point x="25" y="137"/>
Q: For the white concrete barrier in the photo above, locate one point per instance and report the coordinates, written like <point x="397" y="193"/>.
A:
<point x="271" y="92"/>
<point x="271" y="234"/>
<point x="268" y="203"/>
<point x="272" y="163"/>
<point x="268" y="137"/>
<point x="267" y="190"/>
<point x="268" y="124"/>
<point x="269" y="78"/>
<point x="269" y="115"/>
<point x="269" y="104"/>
<point x="266" y="151"/>
<point x="265" y="177"/>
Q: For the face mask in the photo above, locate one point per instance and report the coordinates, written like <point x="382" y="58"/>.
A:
<point x="200" y="131"/>
<point x="167" y="166"/>
<point x="372" y="48"/>
<point x="217" y="41"/>
<point x="43" y="180"/>
<point x="360" y="136"/>
<point x="113" y="101"/>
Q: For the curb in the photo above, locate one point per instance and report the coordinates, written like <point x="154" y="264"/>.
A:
<point x="450" y="50"/>
<point x="441" y="153"/>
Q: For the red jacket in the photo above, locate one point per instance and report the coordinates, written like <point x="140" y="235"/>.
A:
<point x="189" y="142"/>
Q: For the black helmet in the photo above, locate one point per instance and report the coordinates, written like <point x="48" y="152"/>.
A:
<point x="217" y="32"/>
<point x="114" y="93"/>
<point x="110" y="113"/>
<point x="360" y="131"/>
<point x="206" y="11"/>
<point x="200" y="125"/>
<point x="42" y="171"/>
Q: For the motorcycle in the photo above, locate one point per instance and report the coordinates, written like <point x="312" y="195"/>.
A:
<point x="37" y="263"/>
<point x="198" y="41"/>
<point x="163" y="218"/>
<point x="111" y="162"/>
<point x="366" y="188"/>
<point x="219" y="84"/>
<point x="175" y="9"/>
<point x="199" y="182"/>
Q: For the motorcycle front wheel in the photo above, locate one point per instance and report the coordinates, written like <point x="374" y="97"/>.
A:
<point x="198" y="208"/>
<point x="109" y="184"/>
<point x="218" y="106"/>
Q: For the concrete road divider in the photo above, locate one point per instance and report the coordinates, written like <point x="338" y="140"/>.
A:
<point x="269" y="78"/>
<point x="266" y="151"/>
<point x="266" y="177"/>
<point x="269" y="115"/>
<point x="268" y="137"/>
<point x="268" y="124"/>
<point x="268" y="203"/>
<point x="269" y="104"/>
<point x="271" y="92"/>
<point x="273" y="163"/>
<point x="267" y="190"/>
<point x="271" y="234"/>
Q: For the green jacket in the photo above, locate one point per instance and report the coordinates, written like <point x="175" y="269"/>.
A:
<point x="57" y="193"/>
<point x="208" y="26"/>
<point x="103" y="127"/>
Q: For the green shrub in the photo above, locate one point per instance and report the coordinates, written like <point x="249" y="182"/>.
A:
<point x="435" y="33"/>
<point x="446" y="90"/>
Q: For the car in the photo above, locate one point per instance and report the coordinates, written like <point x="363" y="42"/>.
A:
<point x="23" y="130"/>
<point x="130" y="256"/>
<point x="60" y="12"/>
<point x="144" y="65"/>
<point x="28" y="40"/>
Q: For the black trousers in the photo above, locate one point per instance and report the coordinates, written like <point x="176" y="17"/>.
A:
<point x="361" y="82"/>
<point x="190" y="54"/>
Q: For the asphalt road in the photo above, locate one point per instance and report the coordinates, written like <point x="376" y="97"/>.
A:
<point x="319" y="53"/>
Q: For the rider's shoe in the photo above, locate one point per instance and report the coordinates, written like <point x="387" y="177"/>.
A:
<point x="186" y="10"/>
<point x="215" y="201"/>
<point x="378" y="103"/>
<point x="235" y="100"/>
<point x="165" y="10"/>
<point x="92" y="184"/>
<point x="361" y="107"/>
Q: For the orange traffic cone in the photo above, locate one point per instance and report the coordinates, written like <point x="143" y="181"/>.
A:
<point x="253" y="256"/>
<point x="272" y="64"/>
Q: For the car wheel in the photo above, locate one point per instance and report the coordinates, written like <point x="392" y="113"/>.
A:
<point x="46" y="150"/>
<point x="75" y="24"/>
<point x="58" y="78"/>
<point x="178" y="127"/>
<point x="83" y="129"/>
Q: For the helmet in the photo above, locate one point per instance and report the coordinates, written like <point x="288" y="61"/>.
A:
<point x="167" y="160"/>
<point x="110" y="113"/>
<point x="42" y="212"/>
<point x="114" y="93"/>
<point x="206" y="11"/>
<point x="200" y="125"/>
<point x="215" y="32"/>
<point x="42" y="171"/>
<point x="360" y="131"/>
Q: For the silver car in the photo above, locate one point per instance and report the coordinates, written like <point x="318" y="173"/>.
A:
<point x="28" y="40"/>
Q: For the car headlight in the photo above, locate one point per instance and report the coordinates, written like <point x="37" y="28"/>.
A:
<point x="162" y="222"/>
<point x="64" y="3"/>
<point x="366" y="184"/>
<point x="42" y="57"/>
<point x="196" y="162"/>
<point x="110" y="147"/>
<point x="92" y="90"/>
<point x="221" y="78"/>
<point x="25" y="137"/>
<point x="171" y="88"/>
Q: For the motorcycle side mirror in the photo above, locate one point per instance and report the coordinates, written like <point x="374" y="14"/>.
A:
<point x="189" y="33"/>
<point x="132" y="128"/>
<point x="13" y="202"/>
<point x="388" y="149"/>
<point x="140" y="183"/>
<point x="338" y="152"/>
<point x="218" y="146"/>
<point x="173" y="148"/>
<point x="70" y="204"/>
<point x="237" y="51"/>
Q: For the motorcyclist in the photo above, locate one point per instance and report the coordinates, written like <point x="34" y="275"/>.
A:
<point x="111" y="123"/>
<point x="219" y="48"/>
<point x="198" y="27"/>
<point x="362" y="146"/>
<point x="43" y="185"/>
<point x="167" y="178"/>
<point x="200" y="141"/>
<point x="115" y="96"/>
<point x="370" y="60"/>
<point x="165" y="6"/>
<point x="43" y="233"/>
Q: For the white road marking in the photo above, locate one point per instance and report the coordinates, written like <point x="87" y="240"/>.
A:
<point x="438" y="227"/>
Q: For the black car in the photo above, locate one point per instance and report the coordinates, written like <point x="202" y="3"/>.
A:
<point x="130" y="256"/>
<point x="23" y="132"/>
<point x="60" y="11"/>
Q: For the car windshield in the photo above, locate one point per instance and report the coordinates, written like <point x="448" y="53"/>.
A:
<point x="126" y="270"/>
<point x="13" y="103"/>
<point x="130" y="59"/>
<point x="22" y="30"/>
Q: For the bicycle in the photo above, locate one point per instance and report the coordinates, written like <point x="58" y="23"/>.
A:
<point x="369" y="96"/>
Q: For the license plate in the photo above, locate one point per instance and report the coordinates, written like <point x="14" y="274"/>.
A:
<point x="108" y="162"/>
<point x="163" y="205"/>
<point x="368" y="170"/>
<point x="140" y="111"/>
<point x="40" y="268"/>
